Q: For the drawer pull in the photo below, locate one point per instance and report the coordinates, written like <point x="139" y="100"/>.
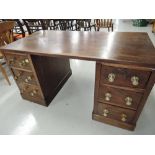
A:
<point x="17" y="76"/>
<point x="135" y="80"/>
<point x="128" y="101"/>
<point x="33" y="93"/>
<point x="28" y="79"/>
<point x="108" y="96"/>
<point x="24" y="62"/>
<point x="111" y="77"/>
<point x="123" y="117"/>
<point x="105" y="112"/>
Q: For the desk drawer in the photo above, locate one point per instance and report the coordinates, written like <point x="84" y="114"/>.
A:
<point x="116" y="113"/>
<point x="30" y="91"/>
<point x="18" y="60"/>
<point x="23" y="76"/>
<point x="124" y="77"/>
<point x="119" y="97"/>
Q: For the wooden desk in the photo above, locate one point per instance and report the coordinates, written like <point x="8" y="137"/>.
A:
<point x="125" y="64"/>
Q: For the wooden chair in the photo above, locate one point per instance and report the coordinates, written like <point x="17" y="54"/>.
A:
<point x="103" y="23"/>
<point x="61" y="24"/>
<point x="34" y="25"/>
<point x="52" y="24"/>
<point x="84" y="24"/>
<point x="153" y="26"/>
<point x="6" y="37"/>
<point x="18" y="30"/>
<point x="66" y="25"/>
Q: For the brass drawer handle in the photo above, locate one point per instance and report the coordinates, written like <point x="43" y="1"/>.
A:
<point x="111" y="77"/>
<point x="33" y="93"/>
<point x="24" y="62"/>
<point x="105" y="112"/>
<point x="29" y="78"/>
<point x="128" y="101"/>
<point x="107" y="96"/>
<point x="123" y="117"/>
<point x="17" y="76"/>
<point x="135" y="80"/>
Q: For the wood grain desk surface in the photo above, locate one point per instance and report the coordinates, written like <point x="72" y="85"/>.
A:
<point x="129" y="47"/>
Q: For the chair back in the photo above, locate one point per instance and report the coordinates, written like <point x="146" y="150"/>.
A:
<point x="34" y="25"/>
<point x="52" y="24"/>
<point x="84" y="24"/>
<point x="6" y="32"/>
<point x="103" y="22"/>
<point x="18" y="30"/>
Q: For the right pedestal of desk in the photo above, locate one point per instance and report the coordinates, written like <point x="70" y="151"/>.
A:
<point x="121" y="91"/>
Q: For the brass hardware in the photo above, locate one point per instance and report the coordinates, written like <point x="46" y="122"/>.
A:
<point x="17" y="76"/>
<point x="107" y="96"/>
<point x="128" y="101"/>
<point x="111" y="77"/>
<point x="34" y="92"/>
<point x="123" y="117"/>
<point x="28" y="79"/>
<point x="24" y="62"/>
<point x="105" y="112"/>
<point x="135" y="80"/>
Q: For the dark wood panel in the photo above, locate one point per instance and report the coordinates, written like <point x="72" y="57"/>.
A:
<point x="123" y="76"/>
<point x="145" y="96"/>
<point x="119" y="97"/>
<point x="96" y="87"/>
<point x="22" y="76"/>
<point x="52" y="73"/>
<point x="116" y="113"/>
<point x="99" y="46"/>
<point x="18" y="60"/>
<point x="113" y="122"/>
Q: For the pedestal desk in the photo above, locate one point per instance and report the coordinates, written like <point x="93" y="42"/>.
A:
<point x="125" y="63"/>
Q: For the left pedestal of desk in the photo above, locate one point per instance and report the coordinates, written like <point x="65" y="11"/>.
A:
<point x="39" y="78"/>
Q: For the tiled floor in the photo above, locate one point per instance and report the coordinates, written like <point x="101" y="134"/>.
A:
<point x="70" y="111"/>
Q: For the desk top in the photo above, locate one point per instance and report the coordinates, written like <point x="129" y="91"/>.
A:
<point x="131" y="47"/>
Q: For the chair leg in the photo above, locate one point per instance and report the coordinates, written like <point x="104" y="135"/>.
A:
<point x="112" y="28"/>
<point x="4" y="74"/>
